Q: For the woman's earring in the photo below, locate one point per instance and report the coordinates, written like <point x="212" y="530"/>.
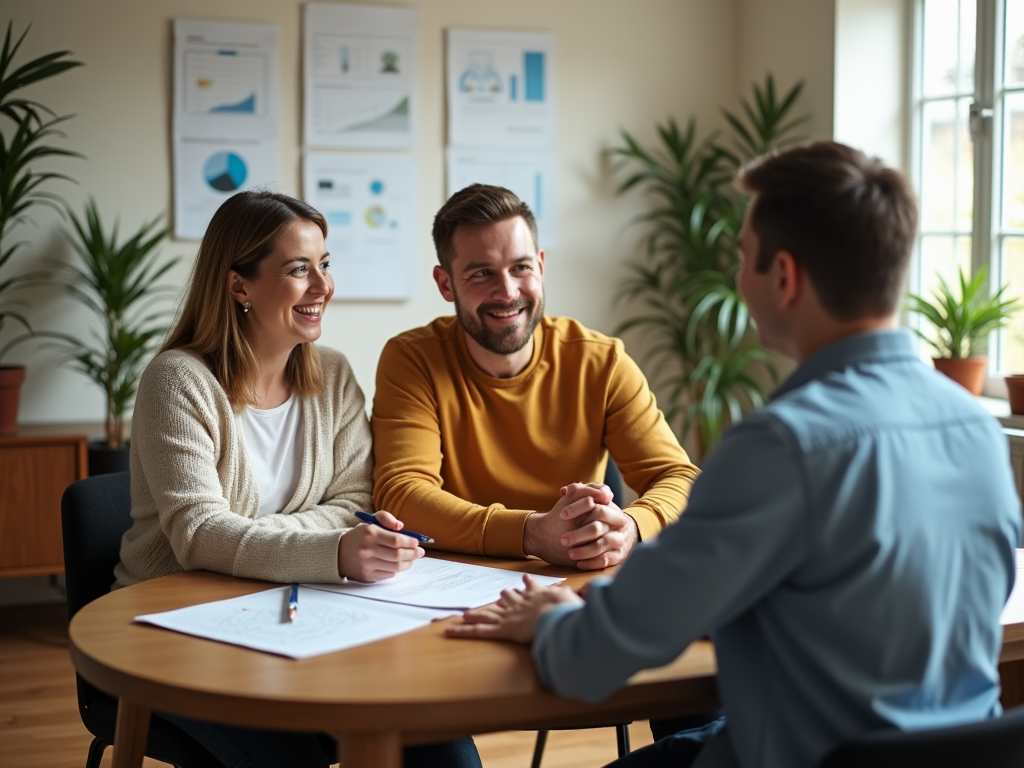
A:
<point x="246" y="307"/>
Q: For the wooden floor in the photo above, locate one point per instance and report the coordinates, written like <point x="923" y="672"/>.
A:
<point x="39" y="723"/>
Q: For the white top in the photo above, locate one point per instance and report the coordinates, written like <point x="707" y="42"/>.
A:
<point x="273" y="439"/>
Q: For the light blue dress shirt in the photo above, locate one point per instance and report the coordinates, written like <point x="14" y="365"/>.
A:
<point x="850" y="547"/>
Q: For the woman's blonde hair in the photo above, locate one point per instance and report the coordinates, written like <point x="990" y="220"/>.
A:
<point x="242" y="232"/>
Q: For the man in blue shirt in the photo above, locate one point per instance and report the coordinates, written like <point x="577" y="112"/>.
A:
<point x="850" y="546"/>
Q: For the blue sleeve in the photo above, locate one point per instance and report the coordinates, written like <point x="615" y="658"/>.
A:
<point x="744" y="530"/>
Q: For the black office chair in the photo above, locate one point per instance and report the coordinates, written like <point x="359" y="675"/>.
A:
<point x="613" y="479"/>
<point x="95" y="513"/>
<point x="996" y="743"/>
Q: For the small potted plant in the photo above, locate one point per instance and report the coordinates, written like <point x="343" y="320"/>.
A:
<point x="24" y="142"/>
<point x="117" y="282"/>
<point x="961" y="325"/>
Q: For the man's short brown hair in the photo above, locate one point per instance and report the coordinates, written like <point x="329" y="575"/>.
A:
<point x="477" y="205"/>
<point x="848" y="219"/>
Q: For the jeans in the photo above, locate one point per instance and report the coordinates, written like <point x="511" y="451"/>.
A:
<point x="238" y="747"/>
<point x="678" y="750"/>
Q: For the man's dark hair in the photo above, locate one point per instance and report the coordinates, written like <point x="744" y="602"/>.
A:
<point x="477" y="205"/>
<point x="849" y="220"/>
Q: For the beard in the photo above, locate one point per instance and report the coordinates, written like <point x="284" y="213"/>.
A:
<point x="509" y="340"/>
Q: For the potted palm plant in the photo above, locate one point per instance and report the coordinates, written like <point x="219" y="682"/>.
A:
<point x="118" y="283"/>
<point x="685" y="281"/>
<point x="24" y="141"/>
<point x="960" y="326"/>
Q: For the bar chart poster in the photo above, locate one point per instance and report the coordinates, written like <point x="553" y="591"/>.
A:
<point x="359" y="73"/>
<point x="225" y="116"/>
<point x="501" y="89"/>
<point x="369" y="201"/>
<point x="530" y="175"/>
<point x="225" y="83"/>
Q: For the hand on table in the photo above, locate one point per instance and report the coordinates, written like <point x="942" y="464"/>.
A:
<point x="371" y="553"/>
<point x="585" y="528"/>
<point x="514" y="617"/>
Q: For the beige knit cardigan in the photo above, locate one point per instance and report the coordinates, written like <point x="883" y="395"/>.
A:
<point x="194" y="496"/>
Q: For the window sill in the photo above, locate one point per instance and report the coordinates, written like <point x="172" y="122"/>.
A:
<point x="1000" y="408"/>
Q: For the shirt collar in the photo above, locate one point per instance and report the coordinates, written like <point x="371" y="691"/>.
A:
<point x="873" y="346"/>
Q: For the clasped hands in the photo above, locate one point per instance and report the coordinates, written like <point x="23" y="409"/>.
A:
<point x="585" y="529"/>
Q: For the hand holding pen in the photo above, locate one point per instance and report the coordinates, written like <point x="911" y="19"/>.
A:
<point x="372" y="520"/>
<point x="378" y="550"/>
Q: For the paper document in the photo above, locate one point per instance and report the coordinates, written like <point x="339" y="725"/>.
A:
<point x="324" y="622"/>
<point x="369" y="201"/>
<point x="225" y="116"/>
<point x="531" y="175"/>
<point x="1013" y="612"/>
<point x="501" y="89"/>
<point x="439" y="584"/>
<point x="359" y="73"/>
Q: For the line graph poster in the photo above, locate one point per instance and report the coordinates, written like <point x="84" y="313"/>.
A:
<point x="360" y="76"/>
<point x="501" y="89"/>
<point x="225" y="116"/>
<point x="369" y="201"/>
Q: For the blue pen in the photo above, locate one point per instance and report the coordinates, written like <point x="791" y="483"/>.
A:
<point x="293" y="602"/>
<point x="368" y="518"/>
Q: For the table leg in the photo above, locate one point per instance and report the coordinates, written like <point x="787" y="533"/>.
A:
<point x="130" y="735"/>
<point x="370" y="750"/>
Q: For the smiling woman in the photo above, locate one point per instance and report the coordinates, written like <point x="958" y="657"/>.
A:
<point x="251" y="450"/>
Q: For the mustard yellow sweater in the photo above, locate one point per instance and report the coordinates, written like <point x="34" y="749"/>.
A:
<point x="465" y="457"/>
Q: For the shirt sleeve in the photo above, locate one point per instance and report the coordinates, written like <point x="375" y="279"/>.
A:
<point x="744" y="531"/>
<point x="645" y="449"/>
<point x="407" y="477"/>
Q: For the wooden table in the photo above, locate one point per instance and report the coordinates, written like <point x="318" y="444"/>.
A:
<point x="413" y="688"/>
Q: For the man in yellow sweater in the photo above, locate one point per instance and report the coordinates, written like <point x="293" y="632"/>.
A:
<point x="492" y="428"/>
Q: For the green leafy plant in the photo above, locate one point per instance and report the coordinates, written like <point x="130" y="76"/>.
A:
<point x="24" y="142"/>
<point x="961" y="324"/>
<point x="685" y="280"/>
<point x="117" y="282"/>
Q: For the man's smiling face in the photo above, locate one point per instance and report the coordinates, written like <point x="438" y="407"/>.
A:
<point x="496" y="280"/>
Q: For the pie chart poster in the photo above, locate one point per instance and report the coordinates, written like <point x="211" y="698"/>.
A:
<point x="207" y="172"/>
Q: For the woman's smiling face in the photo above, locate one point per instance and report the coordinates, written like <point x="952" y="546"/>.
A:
<point x="290" y="292"/>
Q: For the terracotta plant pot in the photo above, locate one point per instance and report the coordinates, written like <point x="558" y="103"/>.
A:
<point x="11" y="379"/>
<point x="1015" y="390"/>
<point x="968" y="372"/>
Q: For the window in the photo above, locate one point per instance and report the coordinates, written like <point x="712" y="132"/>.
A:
<point x="968" y="150"/>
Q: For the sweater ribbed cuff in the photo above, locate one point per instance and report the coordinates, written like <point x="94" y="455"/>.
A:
<point x="503" y="536"/>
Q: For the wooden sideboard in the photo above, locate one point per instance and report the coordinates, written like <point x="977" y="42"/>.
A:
<point x="36" y="465"/>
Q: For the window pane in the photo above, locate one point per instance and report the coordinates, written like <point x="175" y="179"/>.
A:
<point x="943" y="256"/>
<point x="964" y="168"/>
<point x="1012" y="337"/>
<point x="938" y="165"/>
<point x="1013" y="161"/>
<point x="940" y="47"/>
<point x="968" y="30"/>
<point x="1013" y="73"/>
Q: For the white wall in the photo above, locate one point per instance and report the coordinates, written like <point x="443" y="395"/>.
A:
<point x="620" y="65"/>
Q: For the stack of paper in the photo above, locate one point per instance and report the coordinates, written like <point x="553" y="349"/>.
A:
<point x="332" y="617"/>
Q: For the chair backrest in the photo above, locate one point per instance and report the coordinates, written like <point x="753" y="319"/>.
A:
<point x="613" y="479"/>
<point x="995" y="743"/>
<point x="95" y="513"/>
